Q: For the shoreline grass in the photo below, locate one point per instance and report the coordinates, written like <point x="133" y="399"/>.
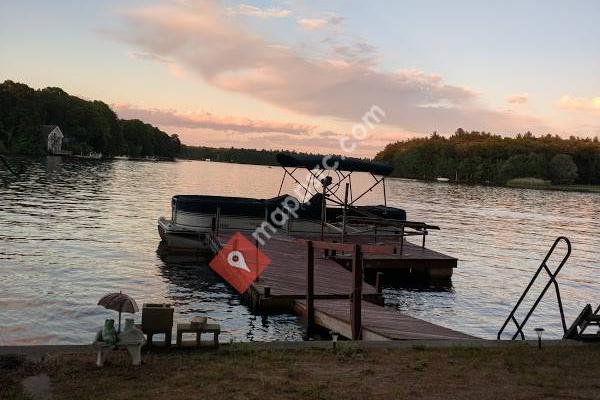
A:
<point x="247" y="372"/>
<point x="525" y="183"/>
<point x="541" y="184"/>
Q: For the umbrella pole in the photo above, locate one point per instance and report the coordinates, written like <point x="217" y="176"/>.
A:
<point x="119" y="331"/>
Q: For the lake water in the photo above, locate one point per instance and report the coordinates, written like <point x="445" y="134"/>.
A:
<point x="72" y="231"/>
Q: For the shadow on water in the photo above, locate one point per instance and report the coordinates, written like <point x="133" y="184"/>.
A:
<point x="188" y="271"/>
<point x="196" y="289"/>
<point x="412" y="283"/>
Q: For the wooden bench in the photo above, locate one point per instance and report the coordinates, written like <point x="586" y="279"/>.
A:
<point x="215" y="329"/>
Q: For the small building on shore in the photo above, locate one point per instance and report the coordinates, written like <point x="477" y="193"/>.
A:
<point x="54" y="138"/>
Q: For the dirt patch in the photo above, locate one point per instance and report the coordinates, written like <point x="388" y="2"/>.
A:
<point x="37" y="386"/>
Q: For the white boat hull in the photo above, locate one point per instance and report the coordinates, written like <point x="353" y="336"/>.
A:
<point x="190" y="231"/>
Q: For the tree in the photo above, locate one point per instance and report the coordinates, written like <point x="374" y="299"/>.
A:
<point x="88" y="126"/>
<point x="514" y="167"/>
<point x="563" y="169"/>
<point x="481" y="157"/>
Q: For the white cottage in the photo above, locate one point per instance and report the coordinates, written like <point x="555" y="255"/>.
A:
<point x="55" y="138"/>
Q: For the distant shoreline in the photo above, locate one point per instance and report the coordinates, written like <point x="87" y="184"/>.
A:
<point x="577" y="188"/>
<point x="525" y="183"/>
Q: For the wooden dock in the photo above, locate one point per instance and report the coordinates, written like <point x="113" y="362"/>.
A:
<point x="407" y="258"/>
<point x="378" y="323"/>
<point x="283" y="287"/>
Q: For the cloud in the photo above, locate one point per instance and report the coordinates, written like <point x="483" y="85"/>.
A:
<point x="177" y="70"/>
<point x="206" y="40"/>
<point x="149" y="57"/>
<point x="312" y="24"/>
<point x="591" y="104"/>
<point x="518" y="98"/>
<point x="198" y="120"/>
<point x="249" y="10"/>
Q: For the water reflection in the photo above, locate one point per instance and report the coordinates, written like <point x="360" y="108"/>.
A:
<point x="72" y="231"/>
<point x="195" y="289"/>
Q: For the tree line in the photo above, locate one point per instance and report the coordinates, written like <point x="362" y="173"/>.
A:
<point x="88" y="125"/>
<point x="481" y="157"/>
<point x="474" y="157"/>
<point x="91" y="126"/>
<point x="240" y="156"/>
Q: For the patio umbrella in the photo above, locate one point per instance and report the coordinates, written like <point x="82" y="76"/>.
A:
<point x="119" y="302"/>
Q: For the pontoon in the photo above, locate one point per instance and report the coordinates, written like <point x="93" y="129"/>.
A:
<point x="324" y="204"/>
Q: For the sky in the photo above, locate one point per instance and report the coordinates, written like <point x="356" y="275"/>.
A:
<point x="327" y="76"/>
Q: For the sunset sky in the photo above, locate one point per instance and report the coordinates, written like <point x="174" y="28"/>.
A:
<point x="299" y="75"/>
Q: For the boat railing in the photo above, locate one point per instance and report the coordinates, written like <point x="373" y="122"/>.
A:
<point x="386" y="228"/>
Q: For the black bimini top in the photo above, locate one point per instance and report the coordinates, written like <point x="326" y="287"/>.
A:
<point x="340" y="163"/>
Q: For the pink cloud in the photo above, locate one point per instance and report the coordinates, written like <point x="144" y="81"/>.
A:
<point x="253" y="11"/>
<point x="276" y="141"/>
<point x="206" y="40"/>
<point x="592" y="104"/>
<point x="204" y="120"/>
<point x="312" y="24"/>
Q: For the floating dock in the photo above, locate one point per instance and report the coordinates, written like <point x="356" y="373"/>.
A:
<point x="283" y="287"/>
<point x="378" y="323"/>
<point x="406" y="258"/>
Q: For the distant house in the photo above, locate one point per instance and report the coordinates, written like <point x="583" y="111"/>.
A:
<point x="54" y="138"/>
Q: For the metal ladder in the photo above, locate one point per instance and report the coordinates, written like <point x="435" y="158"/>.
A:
<point x="586" y="318"/>
<point x="551" y="281"/>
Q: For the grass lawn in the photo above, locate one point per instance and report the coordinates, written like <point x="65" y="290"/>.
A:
<point x="534" y="183"/>
<point x="244" y="372"/>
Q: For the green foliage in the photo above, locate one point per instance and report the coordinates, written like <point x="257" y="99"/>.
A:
<point x="88" y="126"/>
<point x="480" y="157"/>
<point x="240" y="156"/>
<point x="563" y="169"/>
<point x="529" y="183"/>
<point x="518" y="166"/>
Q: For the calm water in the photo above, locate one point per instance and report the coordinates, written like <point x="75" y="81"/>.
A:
<point x="73" y="231"/>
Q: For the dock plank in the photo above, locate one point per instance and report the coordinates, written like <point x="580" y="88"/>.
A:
<point x="379" y="323"/>
<point x="286" y="275"/>
<point x="413" y="256"/>
<point x="286" y="278"/>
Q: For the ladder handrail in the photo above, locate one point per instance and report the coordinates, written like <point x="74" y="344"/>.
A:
<point x="551" y="281"/>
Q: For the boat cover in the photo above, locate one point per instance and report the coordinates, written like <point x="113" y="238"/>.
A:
<point x="243" y="206"/>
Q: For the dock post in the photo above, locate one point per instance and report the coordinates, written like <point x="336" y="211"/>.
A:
<point x="310" y="288"/>
<point x="344" y="213"/>
<point x="378" y="281"/>
<point x="402" y="241"/>
<point x="257" y="244"/>
<point x="356" y="297"/>
<point x="323" y="211"/>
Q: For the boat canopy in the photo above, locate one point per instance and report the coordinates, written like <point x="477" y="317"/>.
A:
<point x="341" y="163"/>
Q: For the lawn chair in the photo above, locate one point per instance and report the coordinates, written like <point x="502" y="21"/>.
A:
<point x="157" y="318"/>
